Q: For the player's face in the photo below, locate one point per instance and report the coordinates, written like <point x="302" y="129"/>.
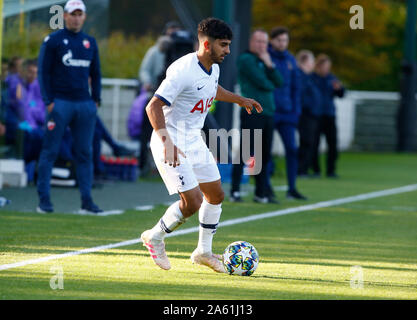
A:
<point x="281" y="42"/>
<point x="74" y="21"/>
<point x="219" y="49"/>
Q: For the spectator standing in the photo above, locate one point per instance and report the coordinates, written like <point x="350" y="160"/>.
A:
<point x="153" y="63"/>
<point x="68" y="58"/>
<point x="310" y="111"/>
<point x="329" y="87"/>
<point x="257" y="78"/>
<point x="288" y="105"/>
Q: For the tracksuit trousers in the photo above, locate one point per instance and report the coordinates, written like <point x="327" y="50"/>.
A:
<point x="80" y="116"/>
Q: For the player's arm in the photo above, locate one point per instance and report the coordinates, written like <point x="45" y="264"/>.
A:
<point x="157" y="120"/>
<point x="228" y="96"/>
<point x="95" y="73"/>
<point x="45" y="66"/>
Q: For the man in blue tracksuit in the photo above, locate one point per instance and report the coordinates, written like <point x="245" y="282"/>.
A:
<point x="288" y="105"/>
<point x="329" y="87"/>
<point x="68" y="59"/>
<point x="310" y="112"/>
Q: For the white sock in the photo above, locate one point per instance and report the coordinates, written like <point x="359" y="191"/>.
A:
<point x="170" y="221"/>
<point x="209" y="217"/>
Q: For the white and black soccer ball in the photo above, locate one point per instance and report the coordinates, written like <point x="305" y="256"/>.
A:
<point x="240" y="258"/>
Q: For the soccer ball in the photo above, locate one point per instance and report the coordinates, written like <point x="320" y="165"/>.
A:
<point x="240" y="258"/>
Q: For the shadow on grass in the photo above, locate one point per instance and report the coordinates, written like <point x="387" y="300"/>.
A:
<point x="342" y="282"/>
<point x="30" y="288"/>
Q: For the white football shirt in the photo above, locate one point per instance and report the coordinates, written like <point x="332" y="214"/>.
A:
<point x="188" y="91"/>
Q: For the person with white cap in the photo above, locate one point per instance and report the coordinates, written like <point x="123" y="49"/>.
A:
<point x="68" y="59"/>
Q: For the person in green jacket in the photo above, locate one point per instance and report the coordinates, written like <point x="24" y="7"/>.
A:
<point x="258" y="79"/>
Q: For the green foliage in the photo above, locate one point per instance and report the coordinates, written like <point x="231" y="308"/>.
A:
<point x="24" y="43"/>
<point x="365" y="59"/>
<point x="121" y="55"/>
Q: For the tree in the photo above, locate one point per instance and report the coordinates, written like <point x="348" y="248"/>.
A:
<point x="359" y="55"/>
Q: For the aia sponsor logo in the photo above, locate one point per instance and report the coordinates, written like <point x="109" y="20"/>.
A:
<point x="199" y="106"/>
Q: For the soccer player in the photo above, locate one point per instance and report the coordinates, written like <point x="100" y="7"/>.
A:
<point x="177" y="113"/>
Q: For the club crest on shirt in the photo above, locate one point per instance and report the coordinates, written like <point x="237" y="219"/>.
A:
<point x="86" y="44"/>
<point x="65" y="41"/>
<point x="51" y="125"/>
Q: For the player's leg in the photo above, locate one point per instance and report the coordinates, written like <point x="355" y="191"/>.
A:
<point x="208" y="176"/>
<point x="209" y="214"/>
<point x="181" y="180"/>
<point x="209" y="217"/>
<point x="82" y="128"/>
<point x="57" y="122"/>
<point x="176" y="214"/>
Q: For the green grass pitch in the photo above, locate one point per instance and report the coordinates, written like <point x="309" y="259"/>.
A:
<point x="305" y="255"/>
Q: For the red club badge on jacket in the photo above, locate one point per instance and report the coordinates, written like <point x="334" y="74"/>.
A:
<point x="86" y="44"/>
<point x="51" y="125"/>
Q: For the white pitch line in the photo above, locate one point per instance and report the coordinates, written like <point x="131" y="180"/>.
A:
<point x="309" y="207"/>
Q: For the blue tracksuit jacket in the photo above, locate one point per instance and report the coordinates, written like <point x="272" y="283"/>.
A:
<point x="66" y="61"/>
<point x="325" y="86"/>
<point x="287" y="97"/>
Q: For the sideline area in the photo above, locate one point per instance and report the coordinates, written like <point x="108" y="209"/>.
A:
<point x="110" y="196"/>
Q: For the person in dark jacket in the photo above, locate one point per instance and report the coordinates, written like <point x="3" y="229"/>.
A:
<point x="68" y="59"/>
<point x="329" y="87"/>
<point x="288" y="106"/>
<point x="257" y="78"/>
<point x="310" y="111"/>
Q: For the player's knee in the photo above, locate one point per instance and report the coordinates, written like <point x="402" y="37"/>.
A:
<point x="191" y="204"/>
<point x="195" y="203"/>
<point x="217" y="198"/>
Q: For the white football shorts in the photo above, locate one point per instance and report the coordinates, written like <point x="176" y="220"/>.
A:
<point x="198" y="167"/>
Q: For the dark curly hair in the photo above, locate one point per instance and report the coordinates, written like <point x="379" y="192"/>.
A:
<point x="215" y="29"/>
<point x="277" y="31"/>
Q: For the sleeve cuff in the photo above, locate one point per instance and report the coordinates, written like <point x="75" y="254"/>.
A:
<point x="163" y="99"/>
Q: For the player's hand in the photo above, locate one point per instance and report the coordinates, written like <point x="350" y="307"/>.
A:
<point x="171" y="154"/>
<point x="51" y="107"/>
<point x="248" y="104"/>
